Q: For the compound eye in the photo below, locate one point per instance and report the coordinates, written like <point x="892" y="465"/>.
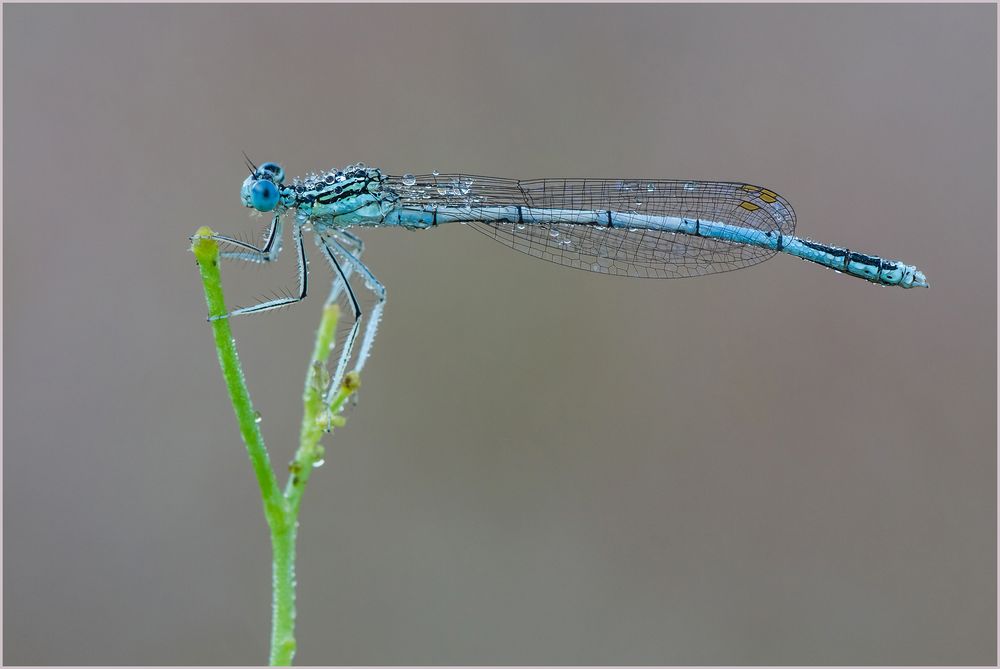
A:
<point x="264" y="196"/>
<point x="276" y="172"/>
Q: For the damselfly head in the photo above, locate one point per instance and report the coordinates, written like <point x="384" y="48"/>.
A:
<point x="262" y="189"/>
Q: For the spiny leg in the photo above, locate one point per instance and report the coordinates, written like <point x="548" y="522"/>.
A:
<point x="341" y="275"/>
<point x="355" y="247"/>
<point x="371" y="326"/>
<point x="250" y="253"/>
<point x="340" y="279"/>
<point x="354" y="244"/>
<point x="282" y="301"/>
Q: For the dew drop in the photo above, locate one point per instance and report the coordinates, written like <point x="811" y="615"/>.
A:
<point x="257" y="418"/>
<point x="409" y="180"/>
<point x="319" y="463"/>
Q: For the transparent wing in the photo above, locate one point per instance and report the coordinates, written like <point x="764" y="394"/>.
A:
<point x="618" y="251"/>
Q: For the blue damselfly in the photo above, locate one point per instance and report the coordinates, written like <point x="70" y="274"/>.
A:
<point x="627" y="227"/>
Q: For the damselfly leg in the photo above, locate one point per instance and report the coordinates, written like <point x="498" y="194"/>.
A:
<point x="376" y="287"/>
<point x="250" y="253"/>
<point x="303" y="272"/>
<point x="342" y="250"/>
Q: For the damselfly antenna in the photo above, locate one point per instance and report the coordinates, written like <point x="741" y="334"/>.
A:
<point x="250" y="165"/>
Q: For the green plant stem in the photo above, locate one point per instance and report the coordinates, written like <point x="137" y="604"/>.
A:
<point x="206" y="251"/>
<point x="280" y="509"/>
<point x="283" y="595"/>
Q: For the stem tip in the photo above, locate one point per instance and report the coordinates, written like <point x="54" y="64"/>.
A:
<point x="204" y="247"/>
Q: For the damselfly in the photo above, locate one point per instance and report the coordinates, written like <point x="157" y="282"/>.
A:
<point x="626" y="227"/>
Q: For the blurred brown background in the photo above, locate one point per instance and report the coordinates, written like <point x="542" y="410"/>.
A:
<point x="780" y="465"/>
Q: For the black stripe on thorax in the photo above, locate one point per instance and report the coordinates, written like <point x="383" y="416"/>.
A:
<point x="332" y="195"/>
<point x="340" y="192"/>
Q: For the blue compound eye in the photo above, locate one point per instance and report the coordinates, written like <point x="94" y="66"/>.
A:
<point x="264" y="196"/>
<point x="275" y="170"/>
